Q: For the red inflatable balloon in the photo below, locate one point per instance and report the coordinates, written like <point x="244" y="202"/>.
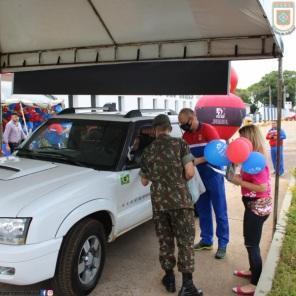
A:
<point x="238" y="151"/>
<point x="248" y="142"/>
<point x="56" y="127"/>
<point x="233" y="80"/>
<point x="225" y="112"/>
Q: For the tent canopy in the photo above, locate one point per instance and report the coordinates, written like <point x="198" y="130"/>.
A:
<point x="33" y="100"/>
<point x="38" y="34"/>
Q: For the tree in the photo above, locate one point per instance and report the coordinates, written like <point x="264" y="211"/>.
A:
<point x="253" y="108"/>
<point x="260" y="90"/>
<point x="244" y="94"/>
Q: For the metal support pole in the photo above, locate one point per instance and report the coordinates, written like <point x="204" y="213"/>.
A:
<point x="1" y="119"/>
<point x="93" y="101"/>
<point x="269" y="111"/>
<point x="70" y="100"/>
<point x="279" y="118"/>
<point x="140" y="103"/>
<point x="120" y="103"/>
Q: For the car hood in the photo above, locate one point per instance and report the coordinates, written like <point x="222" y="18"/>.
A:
<point x="24" y="180"/>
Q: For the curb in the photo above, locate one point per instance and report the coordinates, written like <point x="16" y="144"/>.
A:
<point x="266" y="279"/>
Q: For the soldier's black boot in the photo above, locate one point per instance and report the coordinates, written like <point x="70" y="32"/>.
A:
<point x="169" y="281"/>
<point x="188" y="288"/>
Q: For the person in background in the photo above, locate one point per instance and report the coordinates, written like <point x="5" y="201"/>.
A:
<point x="197" y="135"/>
<point x="256" y="196"/>
<point x="134" y="152"/>
<point x="248" y="120"/>
<point x="272" y="136"/>
<point x="13" y="134"/>
<point x="167" y="164"/>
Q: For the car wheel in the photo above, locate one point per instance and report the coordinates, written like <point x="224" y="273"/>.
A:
<point x="81" y="259"/>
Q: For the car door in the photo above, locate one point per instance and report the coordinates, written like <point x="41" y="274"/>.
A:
<point x="134" y="202"/>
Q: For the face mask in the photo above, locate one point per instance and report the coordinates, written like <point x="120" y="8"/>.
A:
<point x="186" y="127"/>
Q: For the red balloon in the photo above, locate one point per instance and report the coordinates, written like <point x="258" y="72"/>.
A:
<point x="224" y="112"/>
<point x="238" y="151"/>
<point x="233" y="80"/>
<point x="56" y="127"/>
<point x="248" y="142"/>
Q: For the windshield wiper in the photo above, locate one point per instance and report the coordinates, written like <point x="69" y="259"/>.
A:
<point x="61" y="156"/>
<point x="23" y="149"/>
<point x="52" y="153"/>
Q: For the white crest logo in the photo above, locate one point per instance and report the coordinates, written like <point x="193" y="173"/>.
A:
<point x="283" y="17"/>
<point x="220" y="113"/>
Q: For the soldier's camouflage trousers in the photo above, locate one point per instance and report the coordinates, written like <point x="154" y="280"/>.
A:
<point x="177" y="224"/>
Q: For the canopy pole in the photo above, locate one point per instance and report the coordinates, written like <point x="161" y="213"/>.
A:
<point x="1" y="129"/>
<point x="24" y="118"/>
<point x="279" y="122"/>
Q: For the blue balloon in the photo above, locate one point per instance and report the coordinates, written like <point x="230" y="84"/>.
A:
<point x="30" y="125"/>
<point x="36" y="124"/>
<point x="11" y="107"/>
<point x="215" y="153"/>
<point x="255" y="163"/>
<point x="53" y="138"/>
<point x="58" y="108"/>
<point x="5" y="151"/>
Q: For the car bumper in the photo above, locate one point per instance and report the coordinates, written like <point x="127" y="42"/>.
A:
<point x="29" y="263"/>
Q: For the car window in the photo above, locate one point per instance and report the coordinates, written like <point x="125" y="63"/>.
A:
<point x="176" y="130"/>
<point x="143" y="137"/>
<point x="88" y="142"/>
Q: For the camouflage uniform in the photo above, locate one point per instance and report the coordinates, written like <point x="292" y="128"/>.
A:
<point x="163" y="164"/>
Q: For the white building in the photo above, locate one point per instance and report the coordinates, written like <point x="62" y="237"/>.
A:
<point x="127" y="103"/>
<point x="123" y="103"/>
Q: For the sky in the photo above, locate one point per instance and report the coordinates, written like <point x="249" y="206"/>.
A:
<point x="250" y="72"/>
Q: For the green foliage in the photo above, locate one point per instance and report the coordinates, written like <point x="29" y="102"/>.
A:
<point x="244" y="94"/>
<point x="259" y="92"/>
<point x="284" y="283"/>
<point x="253" y="108"/>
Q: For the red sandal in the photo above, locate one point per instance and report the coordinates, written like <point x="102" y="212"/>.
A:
<point x="239" y="291"/>
<point x="240" y="273"/>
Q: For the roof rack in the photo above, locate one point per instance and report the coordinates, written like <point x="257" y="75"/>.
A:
<point x="69" y="110"/>
<point x="165" y="111"/>
<point x="129" y="114"/>
<point x="108" y="107"/>
<point x="133" y="113"/>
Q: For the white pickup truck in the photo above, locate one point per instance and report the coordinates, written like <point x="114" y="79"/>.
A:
<point x="71" y="187"/>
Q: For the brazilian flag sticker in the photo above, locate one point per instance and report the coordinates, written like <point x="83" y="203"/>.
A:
<point x="125" y="179"/>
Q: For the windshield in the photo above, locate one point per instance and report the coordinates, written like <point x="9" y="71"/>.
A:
<point x="87" y="143"/>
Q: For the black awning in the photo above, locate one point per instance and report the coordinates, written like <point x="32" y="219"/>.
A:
<point x="147" y="78"/>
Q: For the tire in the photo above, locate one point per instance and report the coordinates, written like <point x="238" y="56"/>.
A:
<point x="81" y="259"/>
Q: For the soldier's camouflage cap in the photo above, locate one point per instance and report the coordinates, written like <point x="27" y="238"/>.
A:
<point x="161" y="120"/>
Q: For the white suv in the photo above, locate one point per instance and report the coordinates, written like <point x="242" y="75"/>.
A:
<point x="70" y="188"/>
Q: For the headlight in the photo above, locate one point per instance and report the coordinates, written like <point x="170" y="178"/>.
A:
<point x="13" y="231"/>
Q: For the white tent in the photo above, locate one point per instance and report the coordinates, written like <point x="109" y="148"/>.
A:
<point x="38" y="34"/>
<point x="55" y="33"/>
<point x="33" y="100"/>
